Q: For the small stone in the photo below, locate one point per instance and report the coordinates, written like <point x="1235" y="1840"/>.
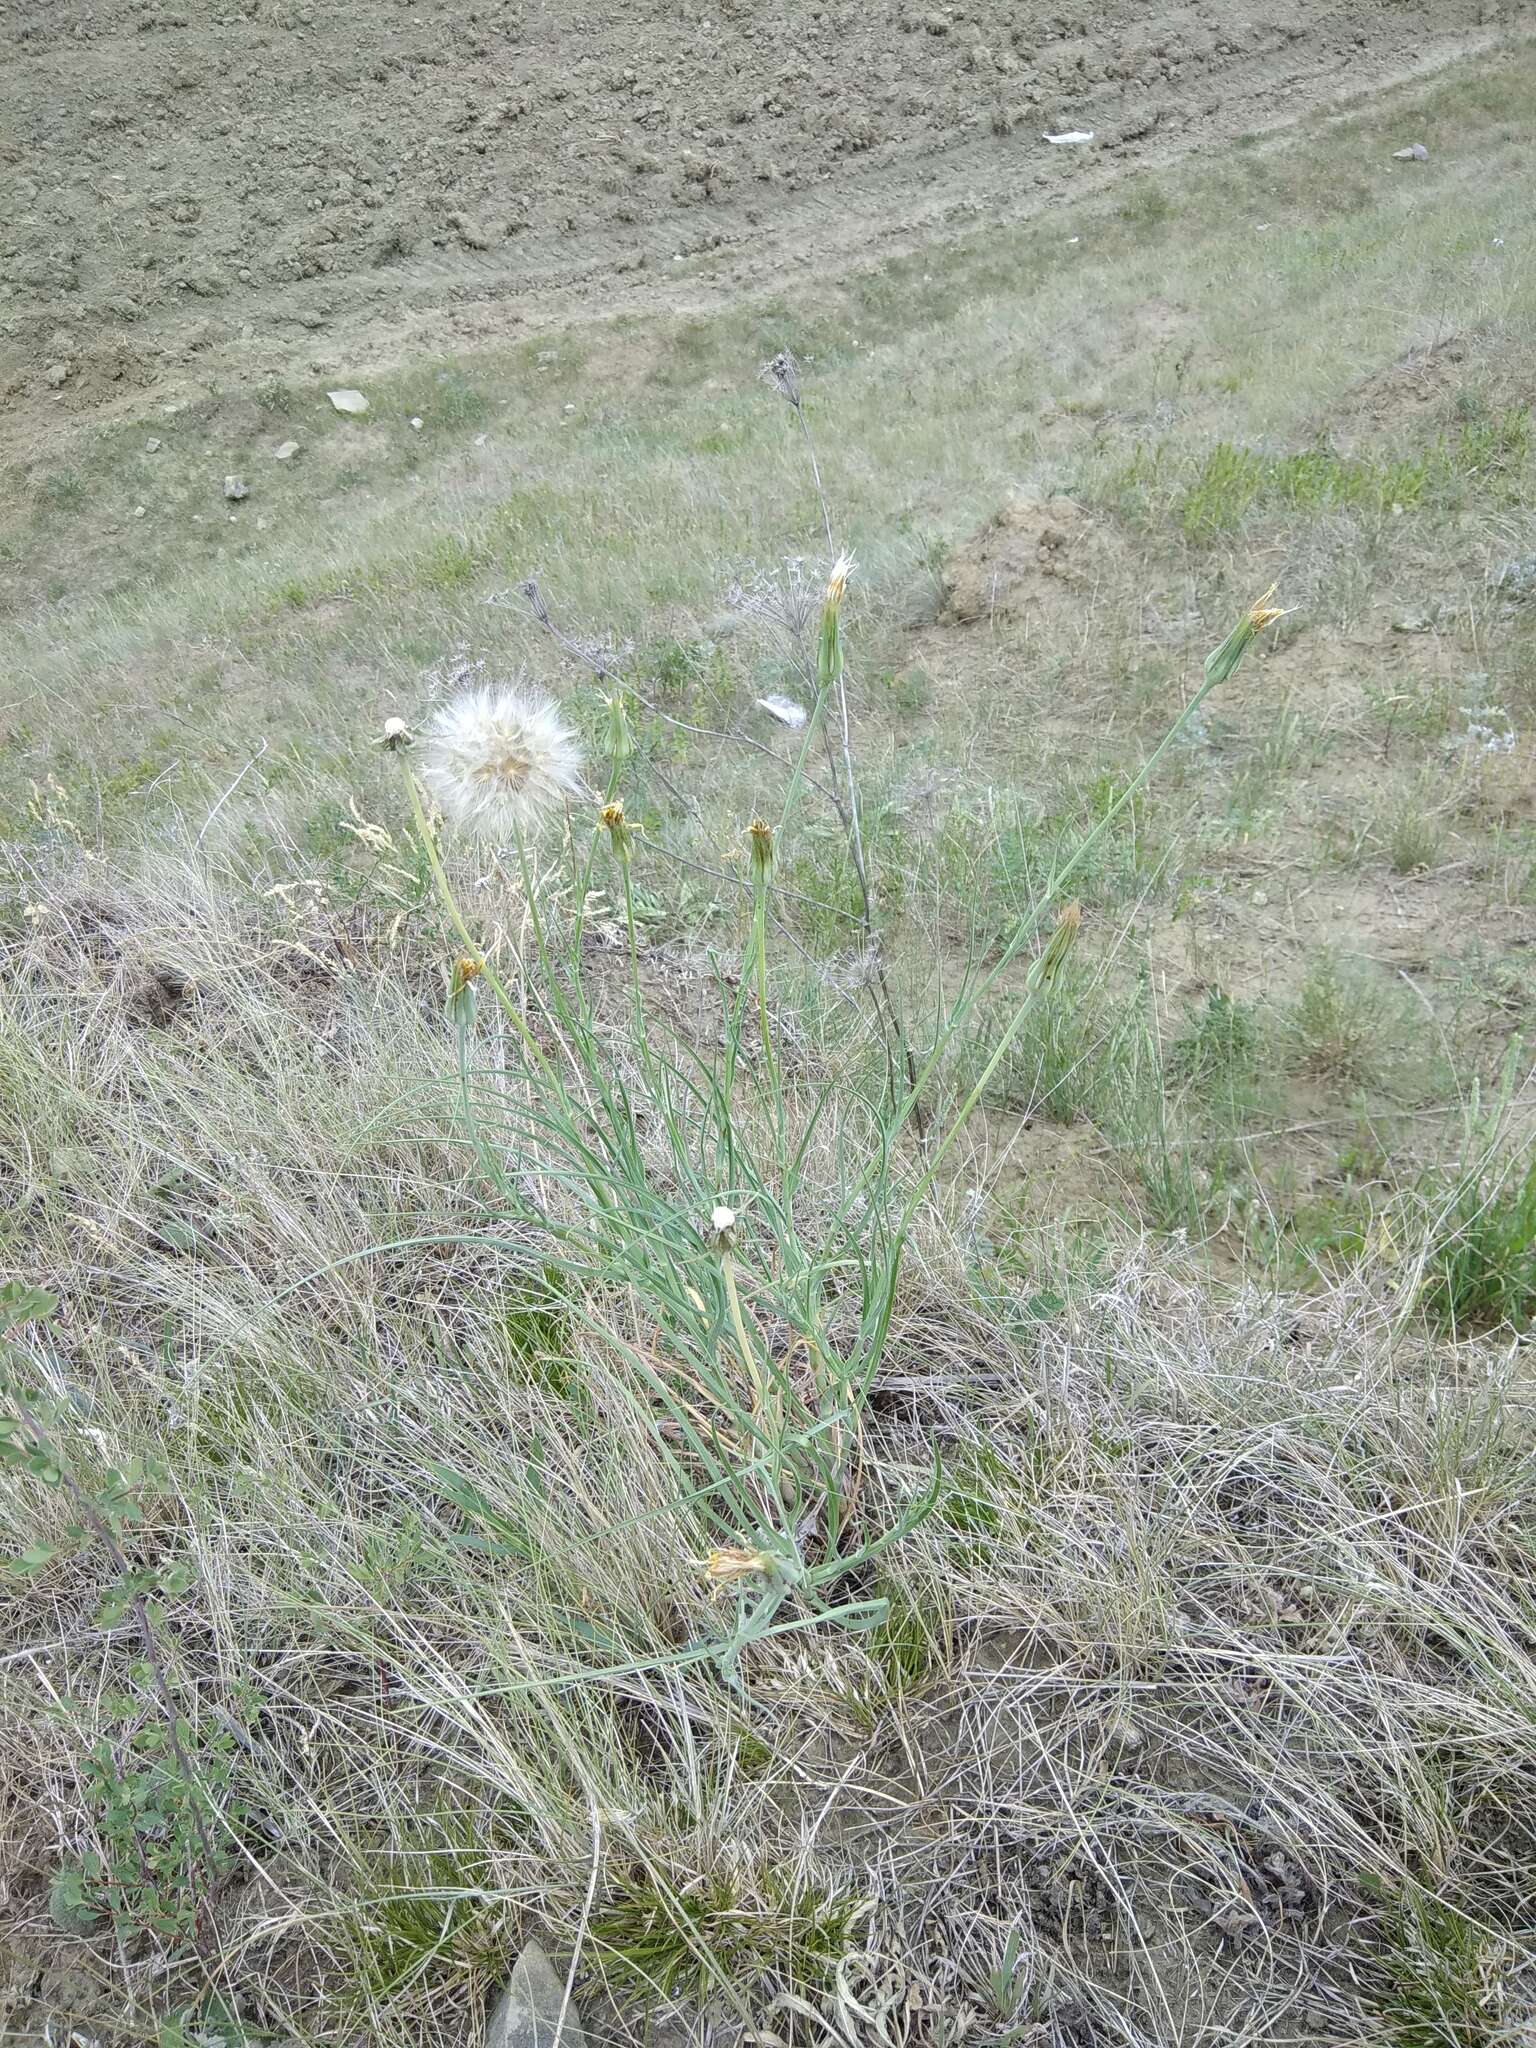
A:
<point x="1260" y="899"/>
<point x="527" y="2015"/>
<point x="57" y="374"/>
<point x="138" y="511"/>
<point x="1415" y="153"/>
<point x="152" y="445"/>
<point x="348" y="401"/>
<point x="1072" y="135"/>
<point x="236" y="487"/>
<point x="1413" y="622"/>
<point x="480" y="440"/>
<point x="285" y="451"/>
<point x="416" y="423"/>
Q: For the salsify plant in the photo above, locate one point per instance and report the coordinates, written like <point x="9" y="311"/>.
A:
<point x="679" y="1203"/>
<point x="734" y="1237"/>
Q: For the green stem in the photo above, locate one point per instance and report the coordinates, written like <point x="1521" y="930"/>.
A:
<point x="493" y="980"/>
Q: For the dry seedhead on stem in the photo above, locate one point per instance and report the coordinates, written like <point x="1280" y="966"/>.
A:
<point x="782" y="374"/>
<point x="760" y="837"/>
<point x="499" y="760"/>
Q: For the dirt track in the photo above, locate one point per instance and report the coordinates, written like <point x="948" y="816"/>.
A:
<point x="318" y="181"/>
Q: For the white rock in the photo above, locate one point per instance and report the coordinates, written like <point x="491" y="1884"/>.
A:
<point x="151" y="444"/>
<point x="480" y="440"/>
<point x="416" y="423"/>
<point x="348" y="401"/>
<point x="532" y="2011"/>
<point x="1415" y="153"/>
<point x="785" y="710"/>
<point x="138" y="511"/>
<point x="1072" y="135"/>
<point x="236" y="487"/>
<point x="285" y="452"/>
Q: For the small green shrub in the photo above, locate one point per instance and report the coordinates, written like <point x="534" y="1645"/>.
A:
<point x="687" y="1939"/>
<point x="162" y="1837"/>
<point x="1412" y="834"/>
<point x="1336" y="1025"/>
<point x="1220" y="1045"/>
<point x="1480" y="1271"/>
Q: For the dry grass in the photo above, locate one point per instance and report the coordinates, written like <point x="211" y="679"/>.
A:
<point x="1201" y="1708"/>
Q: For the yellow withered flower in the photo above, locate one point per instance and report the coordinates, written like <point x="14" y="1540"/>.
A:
<point x="729" y="1566"/>
<point x="760" y="833"/>
<point x="611" y="818"/>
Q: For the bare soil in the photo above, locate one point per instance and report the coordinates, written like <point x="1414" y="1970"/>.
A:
<point x="204" y="201"/>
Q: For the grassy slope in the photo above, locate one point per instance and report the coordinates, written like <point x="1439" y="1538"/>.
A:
<point x="1205" y="1692"/>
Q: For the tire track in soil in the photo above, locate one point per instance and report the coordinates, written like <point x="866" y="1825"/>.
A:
<point x="191" y="211"/>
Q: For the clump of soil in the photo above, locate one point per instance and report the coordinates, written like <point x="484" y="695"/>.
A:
<point x="1033" y="556"/>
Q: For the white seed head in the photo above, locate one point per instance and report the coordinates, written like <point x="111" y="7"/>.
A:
<point x="722" y="1219"/>
<point x="499" y="759"/>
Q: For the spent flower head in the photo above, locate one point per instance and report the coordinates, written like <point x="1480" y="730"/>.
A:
<point x="1222" y="661"/>
<point x="729" y="1566"/>
<point x="611" y="818"/>
<point x="396" y="734"/>
<point x="760" y="835"/>
<point x="500" y="758"/>
<point x="722" y="1228"/>
<point x="783" y="373"/>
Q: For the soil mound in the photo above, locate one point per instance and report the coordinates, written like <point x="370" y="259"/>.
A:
<point x="1032" y="555"/>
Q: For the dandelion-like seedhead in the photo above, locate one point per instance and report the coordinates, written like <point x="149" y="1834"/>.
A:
<point x="499" y="759"/>
<point x="721" y="1234"/>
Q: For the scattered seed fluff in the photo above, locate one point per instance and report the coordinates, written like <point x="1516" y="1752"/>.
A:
<point x="499" y="759"/>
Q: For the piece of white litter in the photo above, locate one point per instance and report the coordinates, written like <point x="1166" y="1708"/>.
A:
<point x="480" y="440"/>
<point x="1415" y="153"/>
<point x="1073" y="238"/>
<point x="348" y="401"/>
<point x="1263" y="227"/>
<point x="416" y="423"/>
<point x="785" y="710"/>
<point x="1072" y="135"/>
